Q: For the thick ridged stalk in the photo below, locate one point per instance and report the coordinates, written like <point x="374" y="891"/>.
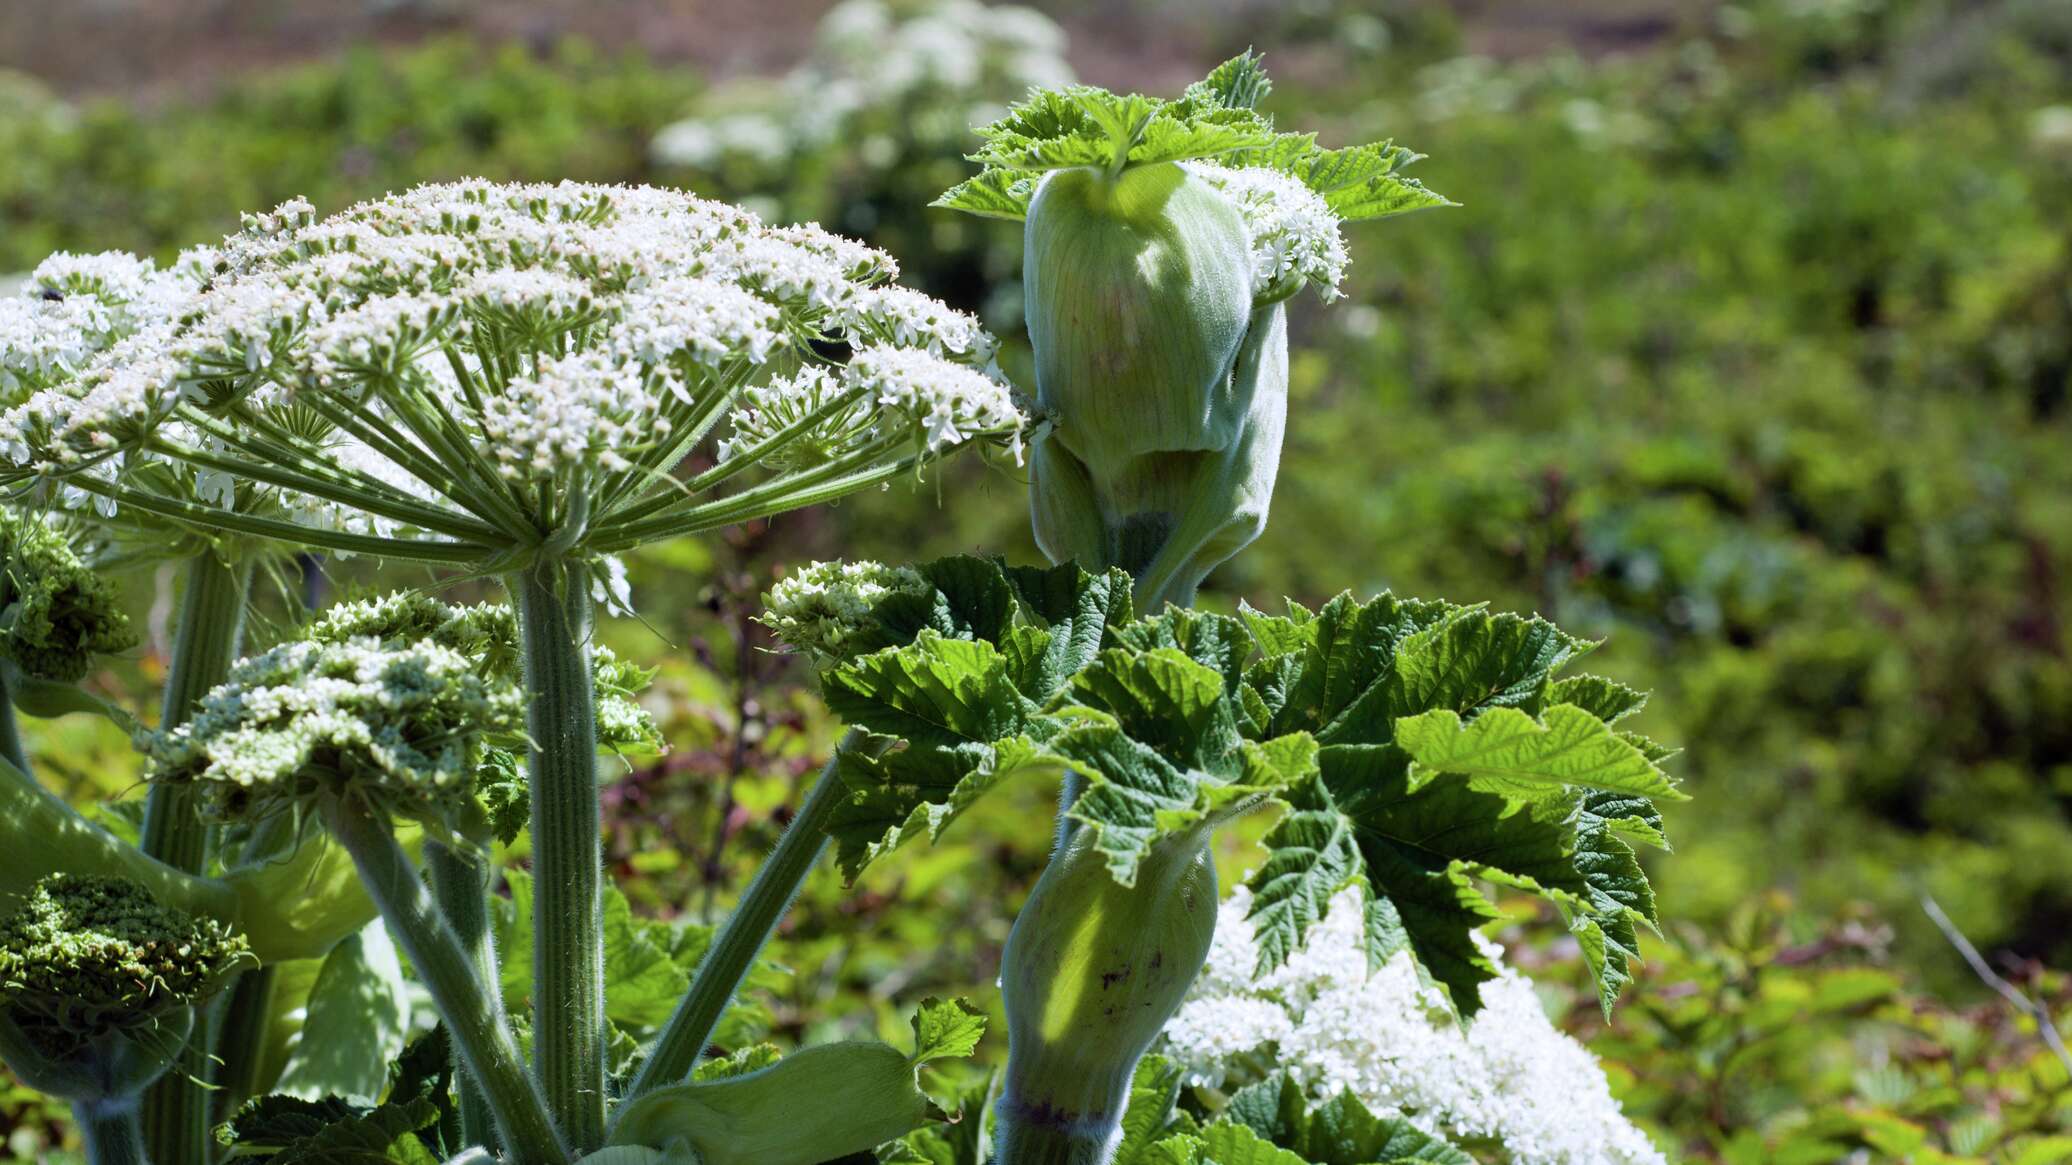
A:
<point x="112" y="1131"/>
<point x="460" y="883"/>
<point x="748" y="928"/>
<point x="470" y="1008"/>
<point x="1092" y="971"/>
<point x="205" y="644"/>
<point x="247" y="1011"/>
<point x="555" y="618"/>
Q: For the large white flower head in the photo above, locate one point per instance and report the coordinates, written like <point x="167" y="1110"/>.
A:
<point x="1511" y="1079"/>
<point x="1294" y="235"/>
<point x="472" y="369"/>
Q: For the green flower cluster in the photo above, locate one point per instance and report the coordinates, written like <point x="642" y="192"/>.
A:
<point x="56" y="614"/>
<point x="86" y="957"/>
<point x="826" y="610"/>
<point x="400" y="726"/>
<point x="408" y="703"/>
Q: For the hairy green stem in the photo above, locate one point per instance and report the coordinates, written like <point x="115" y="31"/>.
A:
<point x="735" y="947"/>
<point x="471" y="1009"/>
<point x="11" y="749"/>
<point x="460" y="883"/>
<point x="211" y="627"/>
<point x="112" y="1131"/>
<point x="246" y="1013"/>
<point x="555" y="619"/>
<point x="241" y="1030"/>
<point x="205" y="644"/>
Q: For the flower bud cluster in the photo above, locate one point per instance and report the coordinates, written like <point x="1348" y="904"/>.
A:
<point x="85" y="957"/>
<point x="399" y="726"/>
<point x="56" y="613"/>
<point x="825" y="610"/>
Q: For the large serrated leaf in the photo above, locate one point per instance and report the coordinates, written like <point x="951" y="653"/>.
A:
<point x="1341" y="1131"/>
<point x="1080" y="612"/>
<point x="1154" y="1088"/>
<point x="1608" y="700"/>
<point x="991" y="193"/>
<point x="935" y="691"/>
<point x="1510" y="752"/>
<point x="1469" y="661"/>
<point x="946" y="1029"/>
<point x="1311" y="854"/>
<point x="1217" y="642"/>
<point x="915" y="794"/>
<point x="1167" y="702"/>
<point x="1238" y="83"/>
<point x="1235" y="1144"/>
<point x="1349" y="653"/>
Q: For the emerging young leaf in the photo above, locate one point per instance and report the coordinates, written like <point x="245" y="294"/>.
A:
<point x="946" y="1030"/>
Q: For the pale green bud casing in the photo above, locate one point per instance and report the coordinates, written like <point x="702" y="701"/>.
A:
<point x="1139" y="289"/>
<point x="1165" y="387"/>
<point x="1092" y="970"/>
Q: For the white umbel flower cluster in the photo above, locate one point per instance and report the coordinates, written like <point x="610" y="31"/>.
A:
<point x="881" y="71"/>
<point x="1511" y="1079"/>
<point x="1295" y="237"/>
<point x="556" y="338"/>
<point x="74" y="306"/>
<point x="825" y="609"/>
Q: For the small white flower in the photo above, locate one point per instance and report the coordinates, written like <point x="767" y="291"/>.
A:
<point x="905" y="317"/>
<point x="1295" y="237"/>
<point x="610" y="588"/>
<point x="1511" y="1079"/>
<point x="765" y="411"/>
<point x="575" y="411"/>
<point x="825" y="609"/>
<point x="947" y="402"/>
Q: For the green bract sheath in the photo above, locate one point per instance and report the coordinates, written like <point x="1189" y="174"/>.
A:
<point x="815" y="1105"/>
<point x="1093" y="969"/>
<point x="1160" y="239"/>
<point x="294" y="907"/>
<point x="1139" y="290"/>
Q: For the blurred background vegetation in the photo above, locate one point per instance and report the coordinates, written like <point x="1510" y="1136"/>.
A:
<point x="1749" y="349"/>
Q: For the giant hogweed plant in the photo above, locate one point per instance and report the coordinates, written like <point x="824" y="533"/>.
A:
<point x="523" y="382"/>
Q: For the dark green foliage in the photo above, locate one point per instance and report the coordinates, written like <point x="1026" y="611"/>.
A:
<point x="111" y="176"/>
<point x="1414" y="747"/>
